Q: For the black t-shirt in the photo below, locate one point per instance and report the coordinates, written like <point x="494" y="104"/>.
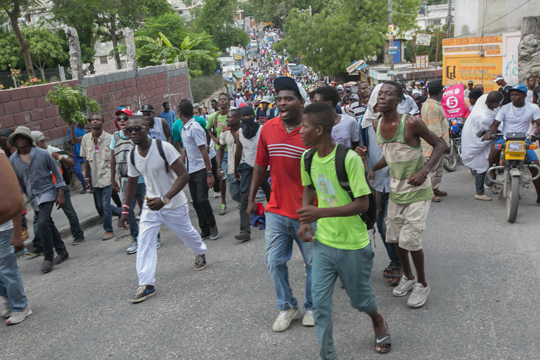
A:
<point x="264" y="116"/>
<point x="536" y="94"/>
<point x="421" y="102"/>
<point x="505" y="90"/>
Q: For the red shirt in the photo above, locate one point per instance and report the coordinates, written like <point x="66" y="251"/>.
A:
<point x="283" y="152"/>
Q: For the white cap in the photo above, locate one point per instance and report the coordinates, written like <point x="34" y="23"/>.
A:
<point x="498" y="78"/>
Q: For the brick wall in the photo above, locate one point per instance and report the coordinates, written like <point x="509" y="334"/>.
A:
<point x="152" y="85"/>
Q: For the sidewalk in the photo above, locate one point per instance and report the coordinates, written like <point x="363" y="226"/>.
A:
<point x="85" y="208"/>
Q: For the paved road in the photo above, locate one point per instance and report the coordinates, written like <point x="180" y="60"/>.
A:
<point x="482" y="305"/>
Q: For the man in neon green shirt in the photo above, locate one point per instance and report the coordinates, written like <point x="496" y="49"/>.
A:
<point x="342" y="247"/>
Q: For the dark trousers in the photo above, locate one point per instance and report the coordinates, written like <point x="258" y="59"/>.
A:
<point x="381" y="226"/>
<point x="479" y="179"/>
<point x="245" y="219"/>
<point x="199" y="193"/>
<point x="214" y="172"/>
<point x="48" y="232"/>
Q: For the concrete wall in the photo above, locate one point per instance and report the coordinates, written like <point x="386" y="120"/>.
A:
<point x="494" y="16"/>
<point x="151" y="85"/>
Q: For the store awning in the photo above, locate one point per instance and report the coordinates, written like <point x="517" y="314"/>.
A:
<point x="357" y="65"/>
<point x="238" y="74"/>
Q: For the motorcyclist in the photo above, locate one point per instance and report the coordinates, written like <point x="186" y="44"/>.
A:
<point x="516" y="116"/>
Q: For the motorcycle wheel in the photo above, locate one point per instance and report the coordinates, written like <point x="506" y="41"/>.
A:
<point x="512" y="200"/>
<point x="450" y="161"/>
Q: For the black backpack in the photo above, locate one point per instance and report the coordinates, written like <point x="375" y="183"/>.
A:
<point x="370" y="216"/>
<point x="161" y="153"/>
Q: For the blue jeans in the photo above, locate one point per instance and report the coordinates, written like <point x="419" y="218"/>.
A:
<point x="479" y="179"/>
<point x="70" y="213"/>
<point x="79" y="162"/>
<point x="234" y="187"/>
<point x="133" y="225"/>
<point x="354" y="269"/>
<point x="11" y="284"/>
<point x="280" y="234"/>
<point x="224" y="161"/>
<point x="103" y="205"/>
<point x="381" y="226"/>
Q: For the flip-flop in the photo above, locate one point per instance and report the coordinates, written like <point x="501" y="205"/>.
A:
<point x="383" y="339"/>
<point x="387" y="269"/>
<point x="395" y="276"/>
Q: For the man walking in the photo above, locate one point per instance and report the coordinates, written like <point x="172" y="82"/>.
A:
<point x="342" y="247"/>
<point x="158" y="128"/>
<point x="358" y="108"/>
<point x="228" y="140"/>
<point x="281" y="147"/>
<point x="399" y="137"/>
<point x="33" y="167"/>
<point x="165" y="176"/>
<point x="75" y="135"/>
<point x="504" y="89"/>
<point x="199" y="169"/>
<point x="435" y="119"/>
<point x="60" y="157"/>
<point x="95" y="148"/>
<point x="264" y="113"/>
<point x="168" y="114"/>
<point x="14" y="304"/>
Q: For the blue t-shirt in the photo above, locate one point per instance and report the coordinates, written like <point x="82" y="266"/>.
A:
<point x="169" y="116"/>
<point x="77" y="147"/>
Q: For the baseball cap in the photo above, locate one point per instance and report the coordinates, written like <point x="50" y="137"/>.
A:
<point x="470" y="82"/>
<point x="286" y="81"/>
<point x="340" y="87"/>
<point x="266" y="99"/>
<point x="38" y="136"/>
<point x="520" y="87"/>
<point x="125" y="111"/>
<point x="147" y="107"/>
<point x="499" y="77"/>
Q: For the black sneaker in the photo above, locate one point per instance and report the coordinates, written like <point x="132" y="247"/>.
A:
<point x="47" y="266"/>
<point x="35" y="251"/>
<point x="61" y="258"/>
<point x="205" y="235"/>
<point x="143" y="293"/>
<point x="214" y="233"/>
<point x="200" y="262"/>
<point x="78" y="240"/>
<point x="83" y="191"/>
<point x="243" y="237"/>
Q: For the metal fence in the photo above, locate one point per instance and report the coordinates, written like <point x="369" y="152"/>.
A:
<point x="50" y="75"/>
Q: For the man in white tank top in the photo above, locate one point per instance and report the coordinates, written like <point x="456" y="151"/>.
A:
<point x="158" y="127"/>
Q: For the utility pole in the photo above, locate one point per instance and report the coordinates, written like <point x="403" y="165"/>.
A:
<point x="390" y="41"/>
<point x="449" y="19"/>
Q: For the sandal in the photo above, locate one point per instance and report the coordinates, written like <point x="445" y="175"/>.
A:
<point x="384" y="339"/>
<point x="388" y="271"/>
<point x="394" y="278"/>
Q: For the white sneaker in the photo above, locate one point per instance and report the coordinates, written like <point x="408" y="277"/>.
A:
<point x="405" y="285"/>
<point x="418" y="296"/>
<point x="5" y="309"/>
<point x="308" y="319"/>
<point x="18" y="316"/>
<point x="284" y="319"/>
<point x="217" y="194"/>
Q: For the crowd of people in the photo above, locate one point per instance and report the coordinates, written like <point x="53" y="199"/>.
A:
<point x="319" y="155"/>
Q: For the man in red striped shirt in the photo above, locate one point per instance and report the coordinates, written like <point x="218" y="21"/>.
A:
<point x="281" y="147"/>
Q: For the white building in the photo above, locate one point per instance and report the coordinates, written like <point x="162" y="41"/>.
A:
<point x="184" y="10"/>
<point x="433" y="15"/>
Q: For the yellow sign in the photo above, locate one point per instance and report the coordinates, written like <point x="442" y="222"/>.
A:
<point x="478" y="59"/>
<point x="237" y="57"/>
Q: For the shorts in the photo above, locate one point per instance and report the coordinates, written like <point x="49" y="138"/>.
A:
<point x="529" y="157"/>
<point x="405" y="224"/>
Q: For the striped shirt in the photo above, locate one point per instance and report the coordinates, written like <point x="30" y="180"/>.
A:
<point x="404" y="161"/>
<point x="435" y="119"/>
<point x="358" y="110"/>
<point x="282" y="152"/>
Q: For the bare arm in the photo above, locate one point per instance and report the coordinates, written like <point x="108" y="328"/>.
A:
<point x="166" y="130"/>
<point x="74" y="139"/>
<point x="114" y="184"/>
<point x="11" y="206"/>
<point x="259" y="172"/>
<point x="238" y="155"/>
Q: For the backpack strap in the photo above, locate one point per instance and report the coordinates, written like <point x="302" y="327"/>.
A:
<point x="162" y="154"/>
<point x="308" y="159"/>
<point x="341" y="172"/>
<point x="132" y="157"/>
<point x="116" y="136"/>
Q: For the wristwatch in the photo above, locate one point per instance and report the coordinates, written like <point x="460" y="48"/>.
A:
<point x="165" y="199"/>
<point x="209" y="173"/>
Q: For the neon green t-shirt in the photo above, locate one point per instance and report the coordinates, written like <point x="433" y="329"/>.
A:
<point x="347" y="233"/>
<point x="220" y="124"/>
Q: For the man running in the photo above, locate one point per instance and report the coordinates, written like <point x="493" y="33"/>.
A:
<point x="165" y="176"/>
<point x="281" y="147"/>
<point x="399" y="137"/>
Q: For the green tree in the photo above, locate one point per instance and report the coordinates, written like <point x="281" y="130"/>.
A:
<point x="432" y="48"/>
<point x="10" y="52"/>
<point x="14" y="9"/>
<point x="357" y="30"/>
<point x="46" y="49"/>
<point x="275" y="11"/>
<point x="230" y="36"/>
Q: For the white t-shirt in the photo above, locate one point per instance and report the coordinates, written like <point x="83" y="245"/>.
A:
<point x="249" y="146"/>
<point x="157" y="180"/>
<point x="7" y="226"/>
<point x="530" y="96"/>
<point x="516" y="119"/>
<point x="227" y="138"/>
<point x="344" y="132"/>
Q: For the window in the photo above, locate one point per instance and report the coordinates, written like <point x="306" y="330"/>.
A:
<point x="103" y="60"/>
<point x="180" y="12"/>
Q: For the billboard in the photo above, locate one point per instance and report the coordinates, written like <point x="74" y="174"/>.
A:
<point x="477" y="58"/>
<point x="421" y="62"/>
<point x="423" y="39"/>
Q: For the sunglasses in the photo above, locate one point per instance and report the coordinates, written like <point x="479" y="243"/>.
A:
<point x="137" y="129"/>
<point x="122" y="118"/>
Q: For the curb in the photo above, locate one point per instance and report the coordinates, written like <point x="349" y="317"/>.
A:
<point x="88" y="222"/>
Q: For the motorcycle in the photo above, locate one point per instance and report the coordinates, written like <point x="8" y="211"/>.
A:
<point x="512" y="175"/>
<point x="451" y="159"/>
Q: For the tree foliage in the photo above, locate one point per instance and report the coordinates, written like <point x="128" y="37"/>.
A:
<point x="276" y="11"/>
<point x="356" y="30"/>
<point x="72" y="103"/>
<point x="46" y="49"/>
<point x="230" y="36"/>
<point x="432" y="48"/>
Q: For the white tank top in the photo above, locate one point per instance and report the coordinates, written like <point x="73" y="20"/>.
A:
<point x="157" y="131"/>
